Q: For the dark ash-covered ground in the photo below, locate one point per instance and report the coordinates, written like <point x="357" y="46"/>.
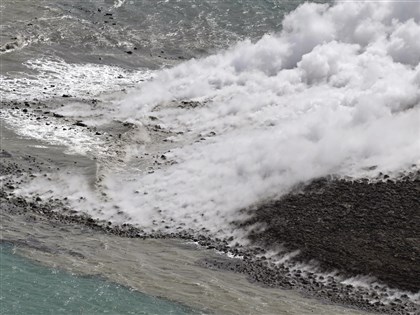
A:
<point x="354" y="226"/>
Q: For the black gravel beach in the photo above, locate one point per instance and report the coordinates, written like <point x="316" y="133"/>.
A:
<point x="353" y="226"/>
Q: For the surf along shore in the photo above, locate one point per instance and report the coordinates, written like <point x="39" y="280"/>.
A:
<point x="330" y="230"/>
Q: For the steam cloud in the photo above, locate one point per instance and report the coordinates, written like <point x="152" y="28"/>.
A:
<point x="335" y="92"/>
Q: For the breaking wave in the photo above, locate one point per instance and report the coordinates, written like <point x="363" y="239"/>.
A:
<point x="51" y="78"/>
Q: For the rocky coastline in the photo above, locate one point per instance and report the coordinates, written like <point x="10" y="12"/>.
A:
<point x="337" y="229"/>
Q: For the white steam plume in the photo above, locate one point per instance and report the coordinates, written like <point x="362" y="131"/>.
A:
<point x="336" y="91"/>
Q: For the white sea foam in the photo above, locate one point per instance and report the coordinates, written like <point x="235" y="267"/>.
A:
<point x="55" y="77"/>
<point x="76" y="139"/>
<point x="335" y="92"/>
<point x="52" y="78"/>
<point x="118" y="3"/>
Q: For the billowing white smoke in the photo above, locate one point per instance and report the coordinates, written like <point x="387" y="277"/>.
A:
<point x="335" y="92"/>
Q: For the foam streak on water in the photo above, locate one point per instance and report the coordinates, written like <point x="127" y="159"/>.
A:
<point x="54" y="78"/>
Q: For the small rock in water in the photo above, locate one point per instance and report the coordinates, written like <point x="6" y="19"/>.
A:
<point x="80" y="124"/>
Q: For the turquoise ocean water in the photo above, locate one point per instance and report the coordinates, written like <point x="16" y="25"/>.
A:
<point x="28" y="288"/>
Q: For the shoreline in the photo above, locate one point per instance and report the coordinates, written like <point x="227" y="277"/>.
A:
<point x="313" y="280"/>
<point x="250" y="262"/>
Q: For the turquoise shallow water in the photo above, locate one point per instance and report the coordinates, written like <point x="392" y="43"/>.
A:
<point x="29" y="288"/>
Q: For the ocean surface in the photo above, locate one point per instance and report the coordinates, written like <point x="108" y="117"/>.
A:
<point x="52" y="291"/>
<point x="182" y="113"/>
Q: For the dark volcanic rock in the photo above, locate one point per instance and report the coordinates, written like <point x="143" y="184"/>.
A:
<point x="5" y="154"/>
<point x="80" y="124"/>
<point x="355" y="226"/>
